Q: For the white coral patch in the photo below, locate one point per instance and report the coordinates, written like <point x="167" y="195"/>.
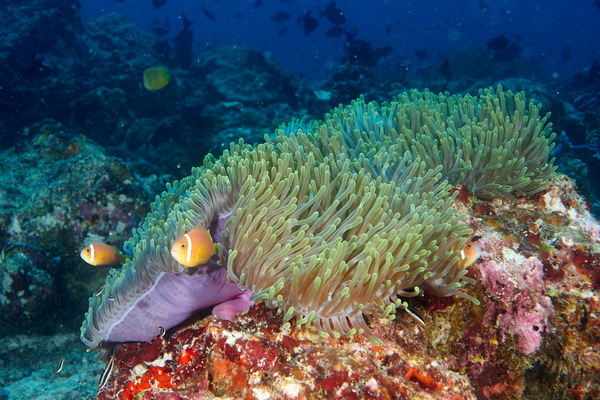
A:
<point x="138" y="370"/>
<point x="160" y="362"/>
<point x="261" y="393"/>
<point x="512" y="257"/>
<point x="323" y="95"/>
<point x="372" y="385"/>
<point x="93" y="238"/>
<point x="121" y="226"/>
<point x="288" y="387"/>
<point x="554" y="204"/>
<point x="48" y="220"/>
<point x="15" y="226"/>
<point x="124" y="199"/>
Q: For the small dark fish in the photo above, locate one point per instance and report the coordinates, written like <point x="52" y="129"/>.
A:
<point x="258" y="3"/>
<point x="182" y="52"/>
<point x="107" y="373"/>
<point x="111" y="297"/>
<point x="446" y="70"/>
<point x="350" y="35"/>
<point x="283" y="30"/>
<point x="335" y="15"/>
<point x="160" y="27"/>
<point x="309" y="23"/>
<point x="209" y="15"/>
<point x="280" y="17"/>
<point x="334" y="31"/>
<point x="237" y="15"/>
<point x="597" y="4"/>
<point x="422" y="54"/>
<point x="161" y="331"/>
<point x="388" y="28"/>
<point x="475" y="238"/>
<point x="498" y="43"/>
<point x="99" y="291"/>
<point x="158" y="3"/>
<point x="59" y="367"/>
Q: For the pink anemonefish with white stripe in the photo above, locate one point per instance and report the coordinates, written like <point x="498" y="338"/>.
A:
<point x="194" y="248"/>
<point x="471" y="252"/>
<point x="101" y="254"/>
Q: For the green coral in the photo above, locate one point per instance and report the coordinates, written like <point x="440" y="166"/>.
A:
<point x="334" y="222"/>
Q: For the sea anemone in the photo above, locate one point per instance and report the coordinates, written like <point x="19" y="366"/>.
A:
<point x="495" y="144"/>
<point x="333" y="224"/>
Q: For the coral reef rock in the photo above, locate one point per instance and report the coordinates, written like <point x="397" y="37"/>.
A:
<point x="58" y="193"/>
<point x="535" y="335"/>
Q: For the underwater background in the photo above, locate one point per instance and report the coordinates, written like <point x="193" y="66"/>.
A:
<point x="90" y="134"/>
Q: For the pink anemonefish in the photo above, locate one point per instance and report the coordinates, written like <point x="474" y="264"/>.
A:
<point x="471" y="252"/>
<point x="194" y="248"/>
<point x="101" y="254"/>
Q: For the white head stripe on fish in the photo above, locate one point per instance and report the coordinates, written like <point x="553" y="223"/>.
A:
<point x="189" y="249"/>
<point x="462" y="254"/>
<point x="91" y="253"/>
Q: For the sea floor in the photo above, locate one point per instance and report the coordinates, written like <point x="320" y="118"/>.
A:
<point x="28" y="368"/>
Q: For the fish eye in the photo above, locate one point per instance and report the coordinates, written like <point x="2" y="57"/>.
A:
<point x="183" y="246"/>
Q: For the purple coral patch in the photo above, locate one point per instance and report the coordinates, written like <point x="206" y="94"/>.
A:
<point x="519" y="305"/>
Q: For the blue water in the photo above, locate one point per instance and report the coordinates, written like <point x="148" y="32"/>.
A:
<point x="541" y="28"/>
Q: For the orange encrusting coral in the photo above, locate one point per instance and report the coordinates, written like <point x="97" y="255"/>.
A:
<point x="159" y="376"/>
<point x="187" y="356"/>
<point x="228" y="375"/>
<point x="424" y="381"/>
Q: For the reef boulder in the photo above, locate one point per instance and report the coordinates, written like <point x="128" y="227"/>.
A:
<point x="59" y="191"/>
<point x="538" y="280"/>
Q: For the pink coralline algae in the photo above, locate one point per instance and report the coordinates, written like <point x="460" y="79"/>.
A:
<point x="516" y="293"/>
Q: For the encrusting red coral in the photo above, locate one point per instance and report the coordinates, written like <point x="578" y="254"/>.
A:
<point x="155" y="377"/>
<point x="250" y="357"/>
<point x="424" y="381"/>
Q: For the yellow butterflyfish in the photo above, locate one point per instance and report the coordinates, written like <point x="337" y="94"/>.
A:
<point x="156" y="78"/>
<point x="101" y="254"/>
<point x="194" y="248"/>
